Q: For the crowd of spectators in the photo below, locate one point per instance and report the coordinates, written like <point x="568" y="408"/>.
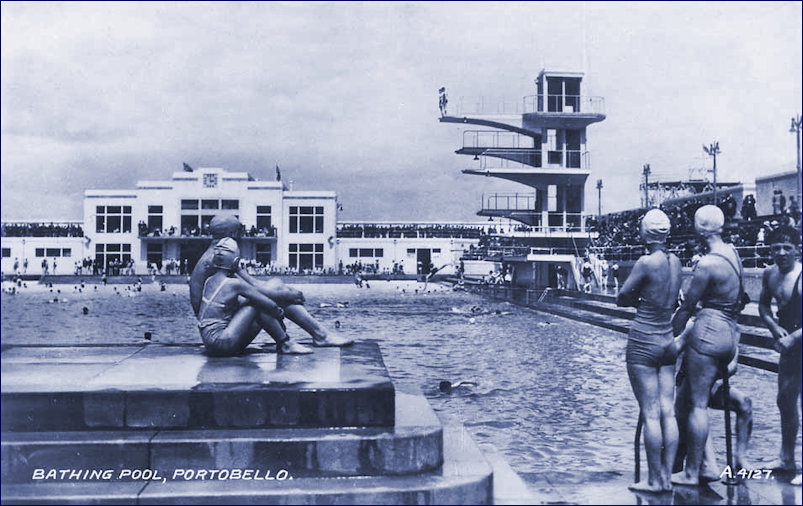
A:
<point x="253" y="231"/>
<point x="41" y="230"/>
<point x="413" y="231"/>
<point x="618" y="233"/>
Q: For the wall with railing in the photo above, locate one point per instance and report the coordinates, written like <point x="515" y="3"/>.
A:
<point x="553" y="103"/>
<point x="565" y="104"/>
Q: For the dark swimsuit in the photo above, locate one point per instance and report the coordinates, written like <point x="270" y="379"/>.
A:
<point x="211" y="329"/>
<point x="789" y="317"/>
<point x="650" y="334"/>
<point x="714" y="333"/>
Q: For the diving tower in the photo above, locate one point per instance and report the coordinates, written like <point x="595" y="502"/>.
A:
<point x="539" y="141"/>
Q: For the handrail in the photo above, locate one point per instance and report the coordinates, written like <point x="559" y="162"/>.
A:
<point x="564" y="104"/>
<point x="495" y="138"/>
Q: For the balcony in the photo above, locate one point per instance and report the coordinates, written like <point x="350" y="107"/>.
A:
<point x="563" y="104"/>
<point x="522" y="207"/>
<point x="526" y="158"/>
<point x="557" y="104"/>
<point x="150" y="234"/>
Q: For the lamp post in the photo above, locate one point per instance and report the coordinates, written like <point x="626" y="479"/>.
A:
<point x="599" y="198"/>
<point x="646" y="172"/>
<point x="713" y="150"/>
<point x="795" y="128"/>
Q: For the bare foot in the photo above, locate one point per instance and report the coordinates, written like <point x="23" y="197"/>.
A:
<point x="708" y="476"/>
<point x="332" y="340"/>
<point x="682" y="479"/>
<point x="645" y="486"/>
<point x="796" y="480"/>
<point x="291" y="348"/>
<point x="782" y="465"/>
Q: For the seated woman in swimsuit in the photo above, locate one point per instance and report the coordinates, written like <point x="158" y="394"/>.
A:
<point x="228" y="326"/>
<point x="653" y="288"/>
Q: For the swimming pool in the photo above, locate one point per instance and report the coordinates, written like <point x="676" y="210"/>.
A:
<point x="552" y="394"/>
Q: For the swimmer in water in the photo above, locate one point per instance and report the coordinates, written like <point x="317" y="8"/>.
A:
<point x="226" y="326"/>
<point x="448" y="387"/>
<point x="653" y="288"/>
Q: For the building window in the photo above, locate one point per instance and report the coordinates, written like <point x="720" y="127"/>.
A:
<point x="230" y="204"/>
<point x="210" y="204"/>
<point x="53" y="252"/>
<point x="155" y="218"/>
<point x="189" y="204"/>
<point x="113" y="219"/>
<point x="189" y="224"/>
<point x="154" y="253"/>
<point x="40" y="252"/>
<point x="366" y="252"/>
<point x="105" y="254"/>
<point x="306" y="220"/>
<point x="6" y="252"/>
<point x="66" y="252"/>
<point x="306" y="256"/>
<point x="263" y="219"/>
<point x="263" y="254"/>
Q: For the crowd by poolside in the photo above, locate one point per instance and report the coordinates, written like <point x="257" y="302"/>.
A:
<point x="413" y="231"/>
<point x="41" y="230"/>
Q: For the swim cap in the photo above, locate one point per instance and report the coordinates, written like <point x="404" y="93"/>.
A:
<point x="224" y="226"/>
<point x="655" y="226"/>
<point x="226" y="254"/>
<point x="709" y="220"/>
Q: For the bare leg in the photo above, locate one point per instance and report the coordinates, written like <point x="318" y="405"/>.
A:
<point x="789" y="377"/>
<point x="238" y="334"/>
<point x="644" y="380"/>
<point x="669" y="426"/>
<point x="682" y="400"/>
<point x="702" y="371"/>
<point x="299" y="315"/>
<point x="283" y="342"/>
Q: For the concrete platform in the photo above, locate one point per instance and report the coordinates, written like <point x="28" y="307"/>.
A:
<point x="413" y="445"/>
<point x="155" y="386"/>
<point x="464" y="478"/>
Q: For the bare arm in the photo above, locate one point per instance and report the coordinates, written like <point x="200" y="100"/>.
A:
<point x="765" y="308"/>
<point x="629" y="293"/>
<point x="284" y="294"/>
<point x="693" y="295"/>
<point x="258" y="299"/>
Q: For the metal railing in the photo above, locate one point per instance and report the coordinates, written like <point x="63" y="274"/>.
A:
<point x="565" y="104"/>
<point x="500" y="158"/>
<point x="496" y="139"/>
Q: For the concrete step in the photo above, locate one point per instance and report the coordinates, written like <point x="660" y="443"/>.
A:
<point x="464" y="478"/>
<point x="155" y="386"/>
<point x="413" y="445"/>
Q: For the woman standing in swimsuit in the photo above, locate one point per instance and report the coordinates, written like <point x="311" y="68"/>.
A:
<point x="717" y="284"/>
<point x="227" y="327"/>
<point x="652" y="288"/>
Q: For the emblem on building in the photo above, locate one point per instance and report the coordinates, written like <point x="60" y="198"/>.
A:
<point x="210" y="180"/>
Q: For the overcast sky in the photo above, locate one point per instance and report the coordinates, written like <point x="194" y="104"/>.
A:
<point x="343" y="96"/>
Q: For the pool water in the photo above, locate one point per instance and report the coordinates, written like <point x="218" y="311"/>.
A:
<point x="551" y="394"/>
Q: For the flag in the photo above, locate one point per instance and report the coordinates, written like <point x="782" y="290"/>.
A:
<point x="278" y="173"/>
<point x="187" y="168"/>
